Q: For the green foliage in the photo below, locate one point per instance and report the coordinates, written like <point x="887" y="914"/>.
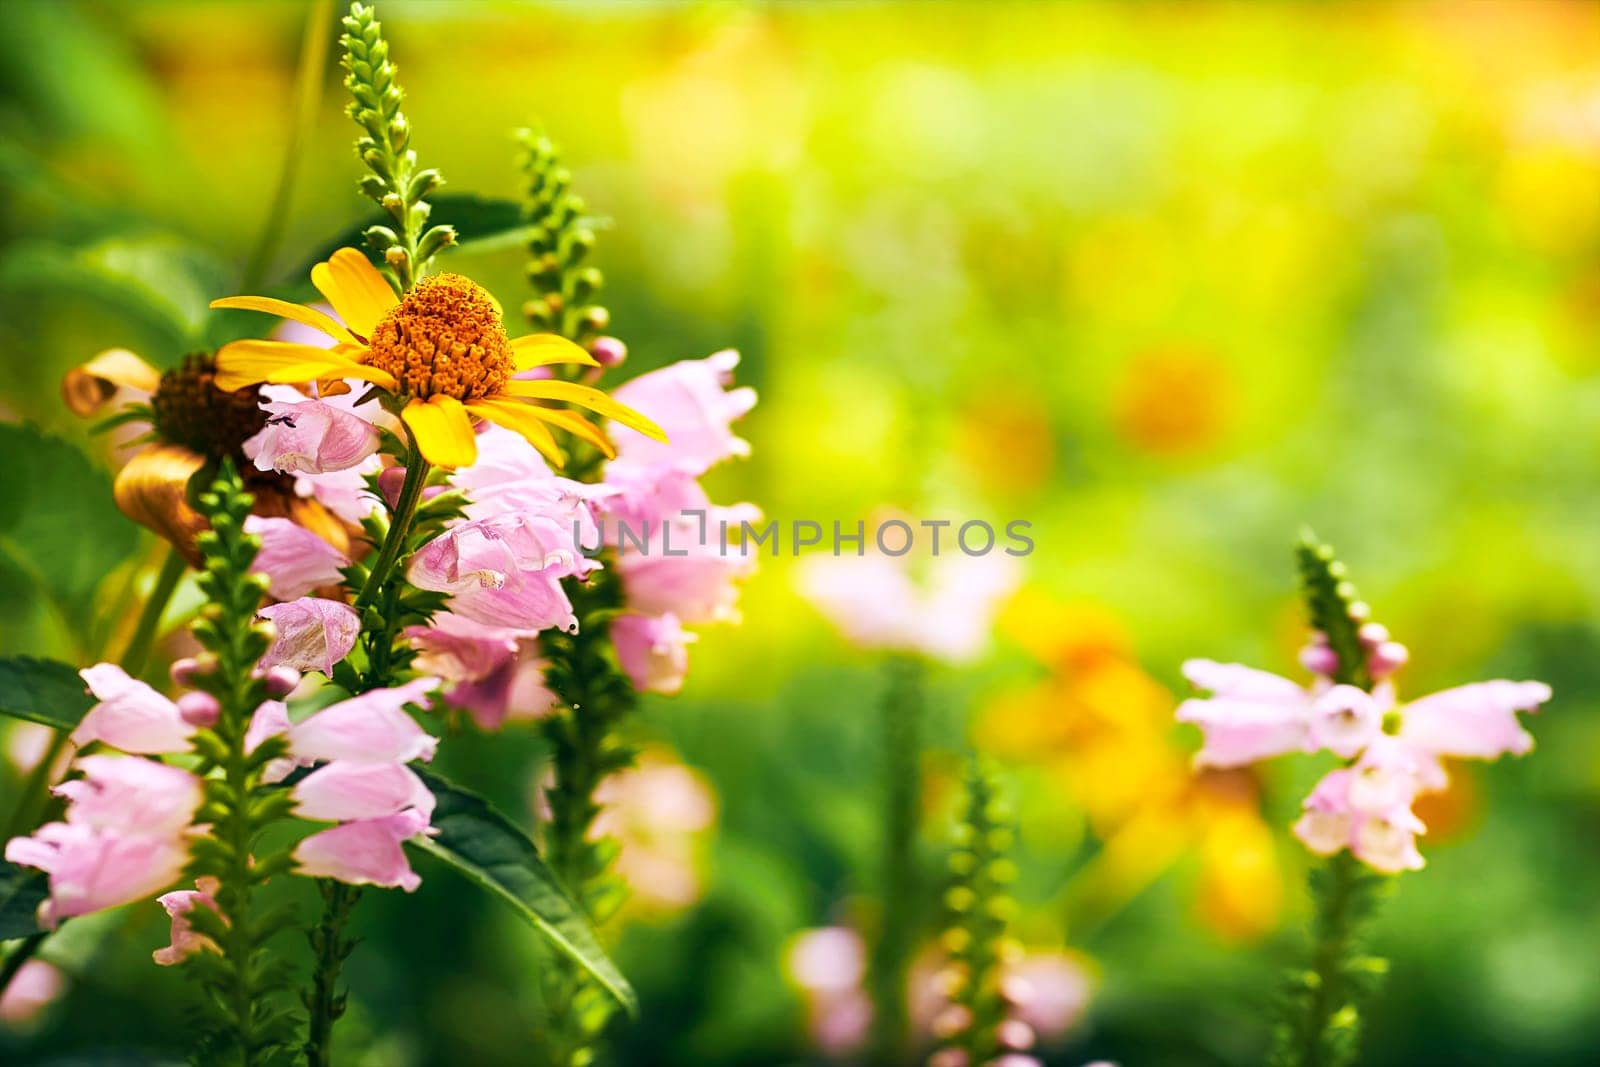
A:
<point x="979" y="909"/>
<point x="43" y="691"/>
<point x="481" y="224"/>
<point x="1333" y="608"/>
<point x="559" y="239"/>
<point x="485" y="846"/>
<point x="22" y="890"/>
<point x="385" y="147"/>
<point x="330" y="946"/>
<point x="58" y="525"/>
<point x="245" y="987"/>
<point x="1321" y="1017"/>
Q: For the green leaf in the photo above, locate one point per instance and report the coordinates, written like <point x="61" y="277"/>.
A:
<point x="162" y="281"/>
<point x="43" y="691"/>
<point x="22" y="890"/>
<point x="58" y="524"/>
<point x="492" y="851"/>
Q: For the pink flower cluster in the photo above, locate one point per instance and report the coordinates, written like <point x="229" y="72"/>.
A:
<point x="1392" y="751"/>
<point x="129" y="819"/>
<point x="526" y="531"/>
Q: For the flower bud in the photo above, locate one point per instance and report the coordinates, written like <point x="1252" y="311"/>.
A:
<point x="608" y="351"/>
<point x="185" y="671"/>
<point x="280" y="681"/>
<point x="198" y="709"/>
<point x="1014" y="1034"/>
<point x="389" y="482"/>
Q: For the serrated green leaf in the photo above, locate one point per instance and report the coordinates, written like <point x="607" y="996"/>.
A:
<point x="43" y="691"/>
<point x="490" y="850"/>
<point x="22" y="890"/>
<point x="58" y="523"/>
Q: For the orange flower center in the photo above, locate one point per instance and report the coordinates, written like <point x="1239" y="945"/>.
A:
<point x="446" y="338"/>
<point x="187" y="409"/>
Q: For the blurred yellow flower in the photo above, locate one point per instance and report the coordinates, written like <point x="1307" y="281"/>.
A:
<point x="1174" y="401"/>
<point x="1100" y="726"/>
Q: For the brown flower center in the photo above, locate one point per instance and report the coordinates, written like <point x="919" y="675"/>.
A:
<point x="187" y="409"/>
<point x="444" y="337"/>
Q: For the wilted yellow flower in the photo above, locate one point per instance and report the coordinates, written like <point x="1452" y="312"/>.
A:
<point x="441" y="350"/>
<point x="193" y="425"/>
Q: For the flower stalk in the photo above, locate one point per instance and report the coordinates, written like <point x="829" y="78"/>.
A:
<point x="902" y="713"/>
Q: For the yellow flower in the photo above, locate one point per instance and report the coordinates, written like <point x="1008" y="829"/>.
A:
<point x="441" y="349"/>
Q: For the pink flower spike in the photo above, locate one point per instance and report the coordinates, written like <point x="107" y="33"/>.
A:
<point x="690" y="401"/>
<point x="178" y="904"/>
<point x="365" y="852"/>
<point x="653" y="651"/>
<point x="370" y="728"/>
<point x="504" y="570"/>
<point x="313" y="634"/>
<point x="131" y="715"/>
<point x="1476" y="721"/>
<point x="1344" y="719"/>
<point x="311" y="437"/>
<point x="294" y="559"/>
<point x="343" y="790"/>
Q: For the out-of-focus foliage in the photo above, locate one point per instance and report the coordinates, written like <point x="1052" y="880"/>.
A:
<point x="1166" y="282"/>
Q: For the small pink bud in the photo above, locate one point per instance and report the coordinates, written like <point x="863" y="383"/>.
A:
<point x="952" y="1020"/>
<point x="1373" y="634"/>
<point x="608" y="351"/>
<point x="389" y="482"/>
<point x="198" y="709"/>
<point x="1319" y="659"/>
<point x="1014" y="1034"/>
<point x="1387" y="658"/>
<point x="280" y="681"/>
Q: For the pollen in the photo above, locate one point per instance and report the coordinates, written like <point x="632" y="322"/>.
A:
<point x="445" y="338"/>
<point x="187" y="409"/>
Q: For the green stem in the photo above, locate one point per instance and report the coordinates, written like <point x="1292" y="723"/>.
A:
<point x="146" y="631"/>
<point x="891" y="957"/>
<point x="307" y="99"/>
<point x="324" y="1002"/>
<point x="404" y="510"/>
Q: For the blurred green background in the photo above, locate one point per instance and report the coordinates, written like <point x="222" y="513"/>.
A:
<point x="1167" y="281"/>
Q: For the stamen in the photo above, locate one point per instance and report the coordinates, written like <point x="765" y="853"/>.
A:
<point x="445" y="338"/>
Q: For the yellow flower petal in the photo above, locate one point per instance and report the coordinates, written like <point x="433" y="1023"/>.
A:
<point x="249" y="362"/>
<point x="578" y="426"/>
<point x="443" y="430"/>
<point x="87" y="388"/>
<point x="306" y="316"/>
<point x="587" y="397"/>
<point x="355" y="289"/>
<point x="152" y="490"/>
<point x="521" y="419"/>
<point x="543" y="349"/>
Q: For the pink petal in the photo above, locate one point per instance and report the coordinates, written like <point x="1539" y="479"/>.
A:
<point x="132" y="794"/>
<point x="1476" y="721"/>
<point x="131" y="715"/>
<point x="343" y="790"/>
<point x="689" y="401"/>
<point x="653" y="651"/>
<point x="293" y="558"/>
<point x="366" y="852"/>
<point x="311" y="437"/>
<point x="370" y="728"/>
<point x="313" y="634"/>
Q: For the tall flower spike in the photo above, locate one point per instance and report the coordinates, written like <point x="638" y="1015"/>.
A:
<point x="559" y="240"/>
<point x="240" y="803"/>
<point x="976" y="1027"/>
<point x="1321" y="1022"/>
<point x="385" y="147"/>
